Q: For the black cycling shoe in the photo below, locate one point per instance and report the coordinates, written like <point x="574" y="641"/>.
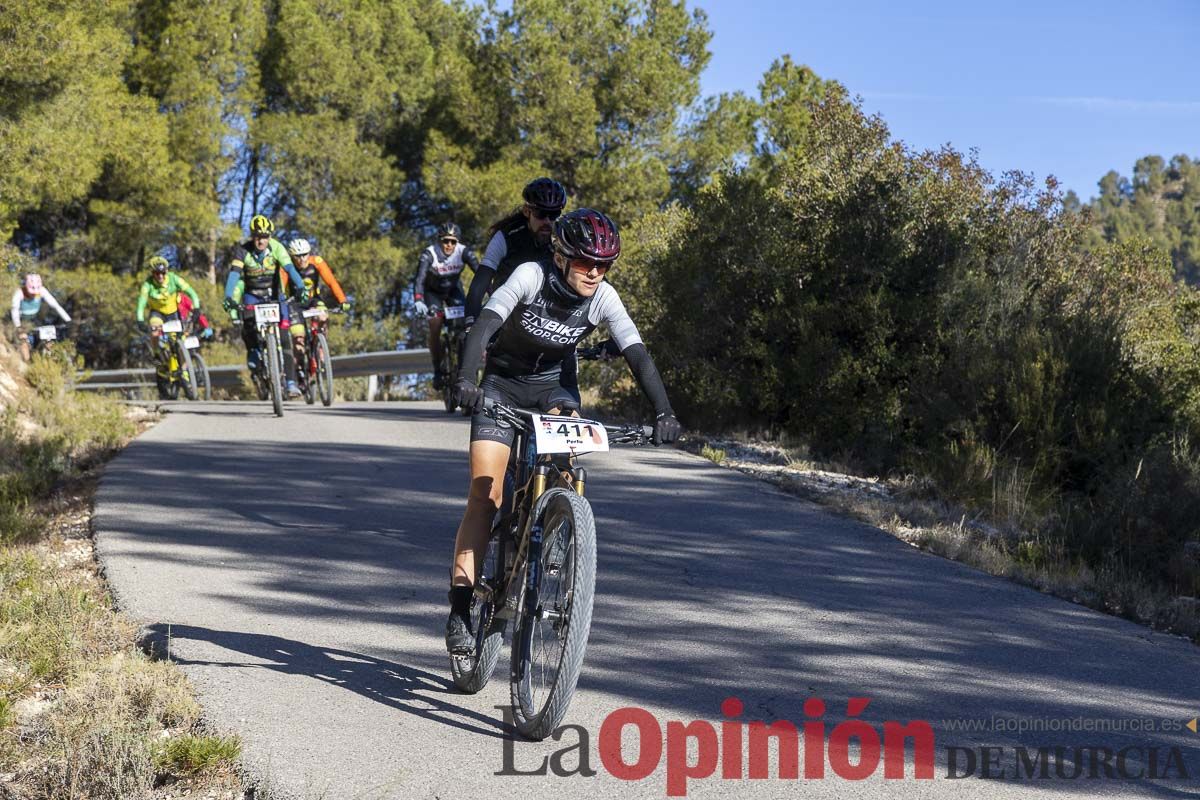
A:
<point x="460" y="641"/>
<point x="439" y="381"/>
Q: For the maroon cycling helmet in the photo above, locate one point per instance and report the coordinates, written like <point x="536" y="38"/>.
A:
<point x="587" y="233"/>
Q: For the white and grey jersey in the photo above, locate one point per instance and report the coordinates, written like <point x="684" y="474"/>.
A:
<point x="443" y="264"/>
<point x="27" y="308"/>
<point x="544" y="319"/>
<point x="438" y="273"/>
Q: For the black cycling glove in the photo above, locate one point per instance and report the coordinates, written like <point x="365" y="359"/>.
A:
<point x="468" y="396"/>
<point x="666" y="428"/>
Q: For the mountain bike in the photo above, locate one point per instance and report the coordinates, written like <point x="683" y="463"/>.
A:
<point x="174" y="359"/>
<point x="267" y="374"/>
<point x="453" y="335"/>
<point x="41" y="338"/>
<point x="539" y="569"/>
<point x="316" y="376"/>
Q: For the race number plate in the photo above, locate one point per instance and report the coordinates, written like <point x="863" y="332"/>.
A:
<point x="47" y="333"/>
<point x="266" y="312"/>
<point x="191" y="342"/>
<point x="573" y="435"/>
<point x="172" y="326"/>
<point x="455" y="312"/>
<point x="309" y="313"/>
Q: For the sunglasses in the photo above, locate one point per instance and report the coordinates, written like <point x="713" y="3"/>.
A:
<point x="449" y="241"/>
<point x="542" y="213"/>
<point x="587" y="265"/>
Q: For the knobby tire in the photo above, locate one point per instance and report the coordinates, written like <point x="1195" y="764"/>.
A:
<point x="548" y="655"/>
<point x="273" y="357"/>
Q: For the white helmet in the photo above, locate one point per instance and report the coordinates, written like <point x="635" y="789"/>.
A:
<point x="299" y="247"/>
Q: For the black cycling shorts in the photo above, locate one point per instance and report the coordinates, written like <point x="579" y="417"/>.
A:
<point x="438" y="300"/>
<point x="532" y="395"/>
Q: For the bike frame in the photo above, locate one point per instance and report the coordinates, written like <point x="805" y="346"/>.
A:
<point x="37" y="343"/>
<point x="533" y="474"/>
<point x="157" y="337"/>
<point x="262" y="329"/>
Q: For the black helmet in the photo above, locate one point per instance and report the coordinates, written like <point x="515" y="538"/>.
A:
<point x="545" y="193"/>
<point x="587" y="233"/>
<point x="448" y="230"/>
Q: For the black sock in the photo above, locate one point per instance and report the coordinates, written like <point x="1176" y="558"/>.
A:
<point x="460" y="599"/>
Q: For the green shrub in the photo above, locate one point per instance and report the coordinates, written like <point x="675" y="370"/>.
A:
<point x="189" y="754"/>
<point x="911" y="313"/>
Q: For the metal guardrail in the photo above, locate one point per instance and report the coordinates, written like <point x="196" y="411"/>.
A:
<point x="383" y="362"/>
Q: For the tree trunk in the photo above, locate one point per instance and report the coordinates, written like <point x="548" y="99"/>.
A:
<point x="212" y="255"/>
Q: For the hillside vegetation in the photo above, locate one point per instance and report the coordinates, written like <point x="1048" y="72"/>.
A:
<point x="796" y="271"/>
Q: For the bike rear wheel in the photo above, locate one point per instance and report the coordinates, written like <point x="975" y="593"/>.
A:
<point x="170" y="370"/>
<point x="472" y="673"/>
<point x="551" y="632"/>
<point x="306" y="373"/>
<point x="203" y="383"/>
<point x="449" y="370"/>
<point x="187" y="375"/>
<point x="324" y="371"/>
<point x="167" y="388"/>
<point x="259" y="375"/>
<point x="275" y="369"/>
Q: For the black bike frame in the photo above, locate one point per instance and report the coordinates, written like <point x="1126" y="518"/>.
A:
<point x="532" y="475"/>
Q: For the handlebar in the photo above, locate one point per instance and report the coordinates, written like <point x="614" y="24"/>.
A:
<point x="521" y="418"/>
<point x="440" y="311"/>
<point x="242" y="308"/>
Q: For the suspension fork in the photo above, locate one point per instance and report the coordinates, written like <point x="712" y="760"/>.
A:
<point x="533" y="577"/>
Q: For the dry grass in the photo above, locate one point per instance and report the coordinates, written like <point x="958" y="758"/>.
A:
<point x="83" y="714"/>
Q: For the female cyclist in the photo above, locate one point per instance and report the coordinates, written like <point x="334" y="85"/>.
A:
<point x="541" y="314"/>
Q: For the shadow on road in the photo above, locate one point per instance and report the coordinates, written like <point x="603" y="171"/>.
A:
<point x="407" y="689"/>
<point x="710" y="585"/>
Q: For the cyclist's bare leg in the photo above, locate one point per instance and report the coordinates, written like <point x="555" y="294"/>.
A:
<point x="298" y="350"/>
<point x="488" y="461"/>
<point x="161" y="356"/>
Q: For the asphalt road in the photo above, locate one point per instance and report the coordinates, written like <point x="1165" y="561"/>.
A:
<point x="300" y="567"/>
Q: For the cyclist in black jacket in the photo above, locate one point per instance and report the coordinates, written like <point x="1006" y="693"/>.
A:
<point x="541" y="313"/>
<point x="522" y="236"/>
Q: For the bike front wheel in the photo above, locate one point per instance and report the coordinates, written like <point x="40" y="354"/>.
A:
<point x="324" y="370"/>
<point x="203" y="382"/>
<point x="275" y="369"/>
<point x="552" y="626"/>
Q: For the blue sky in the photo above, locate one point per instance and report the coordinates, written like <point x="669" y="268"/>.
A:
<point x="1058" y="87"/>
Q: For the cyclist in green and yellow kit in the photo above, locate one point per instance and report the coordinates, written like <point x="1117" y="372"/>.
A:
<point x="160" y="294"/>
<point x="256" y="270"/>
